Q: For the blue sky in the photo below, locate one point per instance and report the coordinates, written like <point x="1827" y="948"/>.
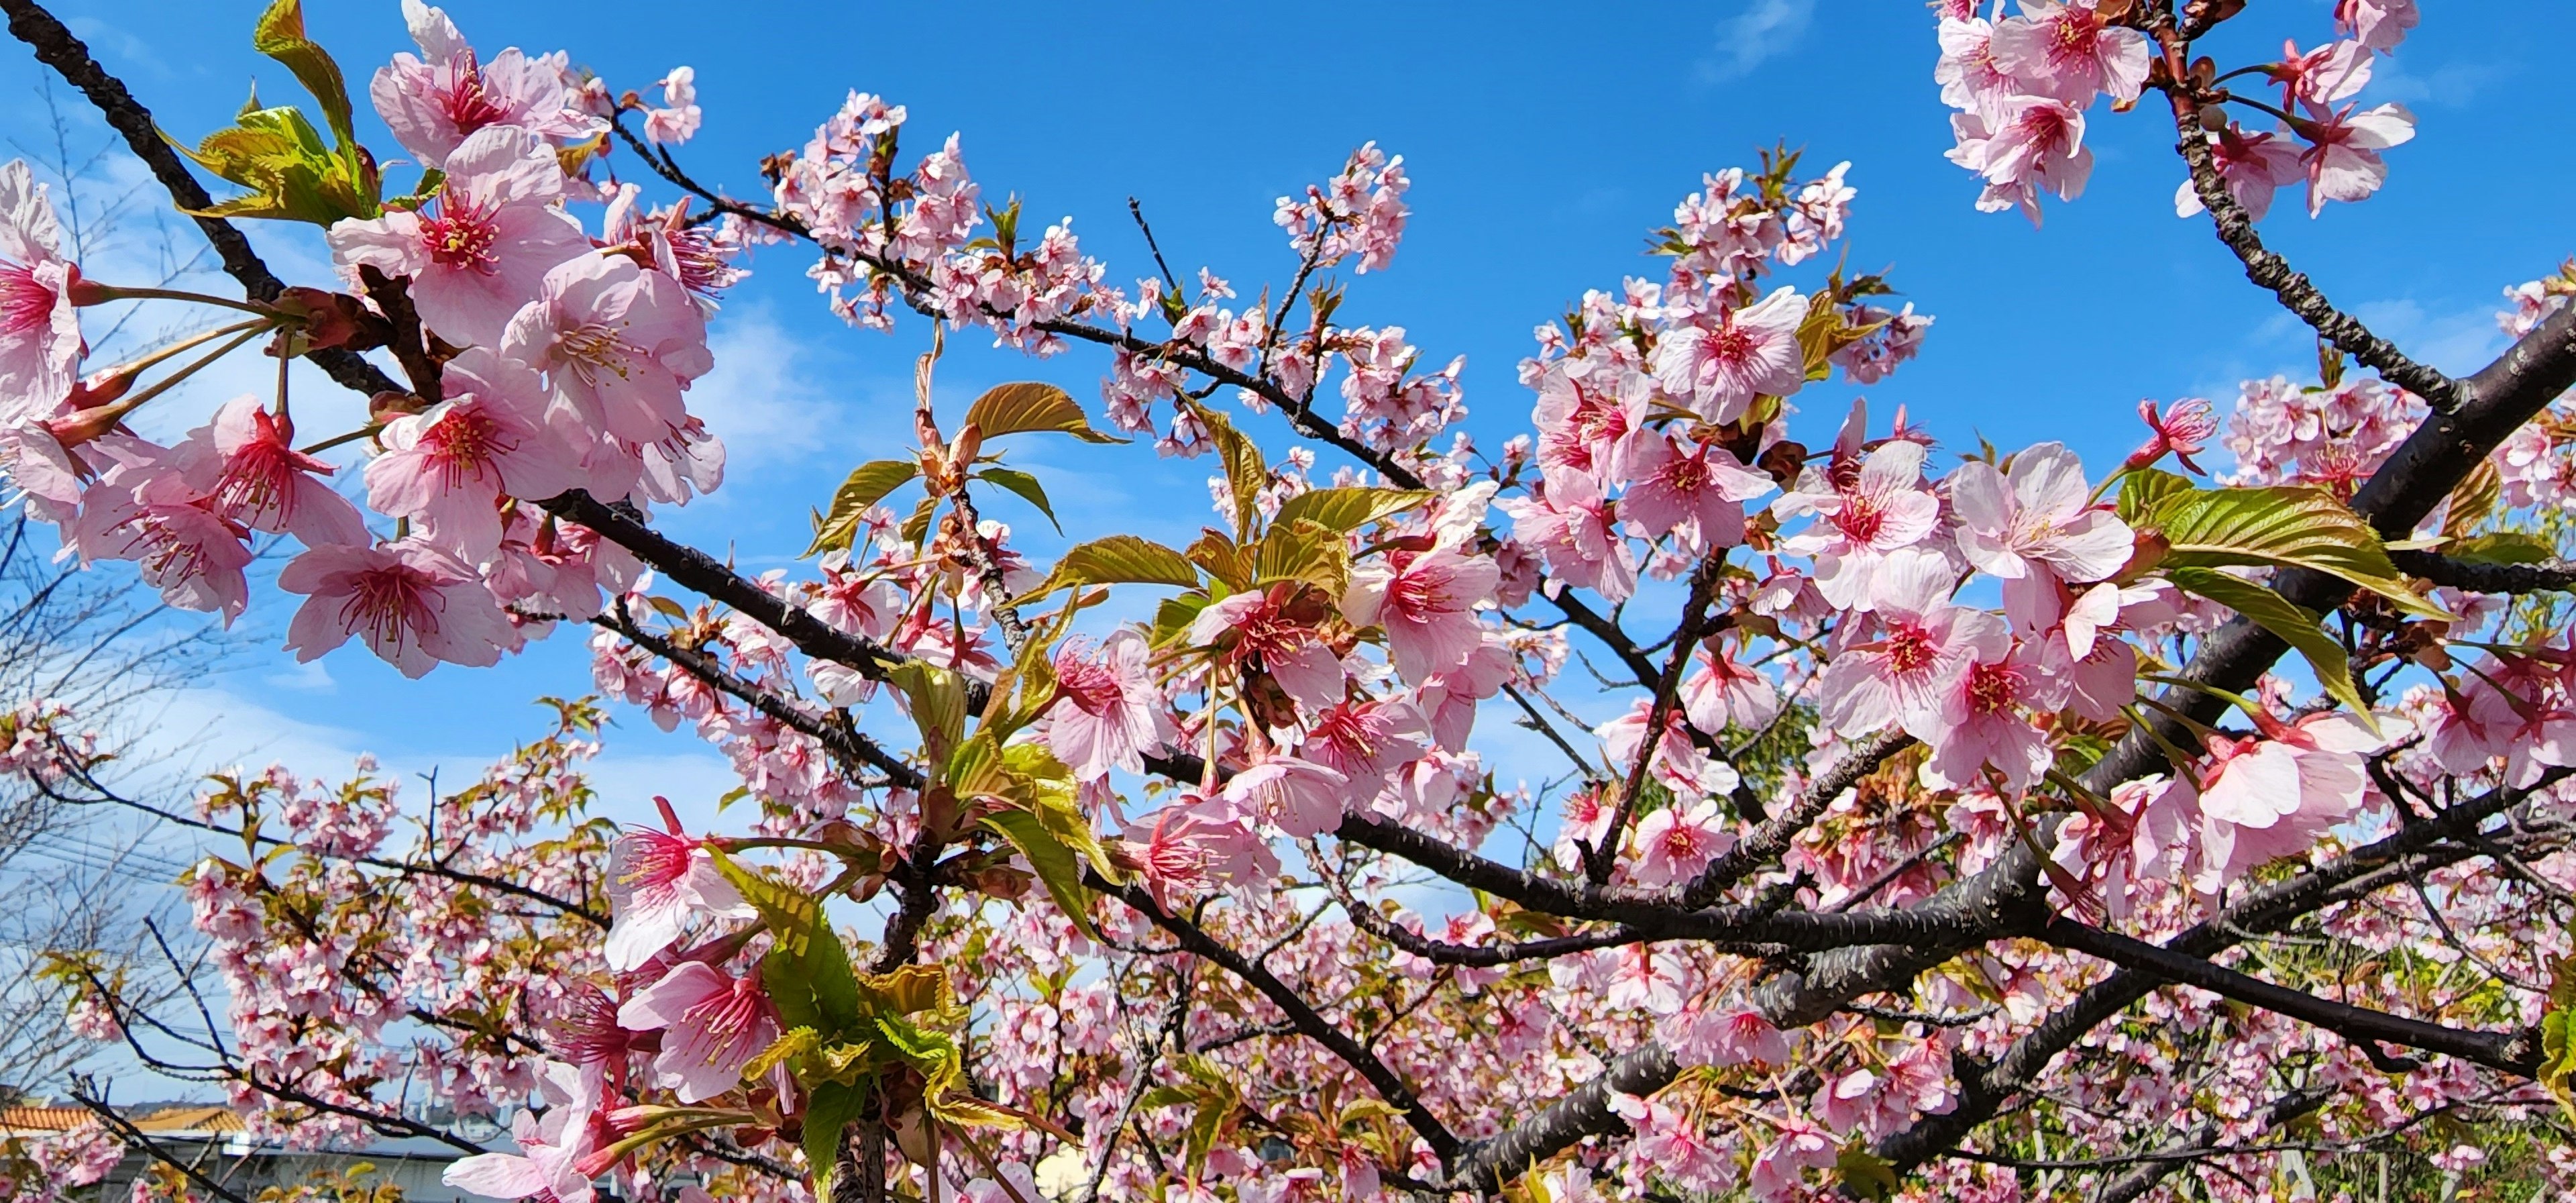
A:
<point x="1543" y="141"/>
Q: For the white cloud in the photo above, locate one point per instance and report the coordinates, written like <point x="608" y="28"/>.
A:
<point x="201" y="731"/>
<point x="1760" y="31"/>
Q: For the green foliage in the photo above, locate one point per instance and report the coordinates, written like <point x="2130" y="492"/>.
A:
<point x="1349" y="509"/>
<point x="1025" y="406"/>
<point x="2296" y="625"/>
<point x="1118" y="560"/>
<point x="1026" y="486"/>
<point x="1246" y="473"/>
<point x="866" y="485"/>
<point x="277" y="154"/>
<point x="2278" y="527"/>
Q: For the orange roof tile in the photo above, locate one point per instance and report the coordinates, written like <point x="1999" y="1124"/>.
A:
<point x="191" y="1119"/>
<point x="42" y="1119"/>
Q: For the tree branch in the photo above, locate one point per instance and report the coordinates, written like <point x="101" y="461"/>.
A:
<point x="2478" y="576"/>
<point x="2268" y="270"/>
<point x="57" y="48"/>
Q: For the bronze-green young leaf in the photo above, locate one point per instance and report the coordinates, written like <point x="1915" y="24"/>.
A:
<point x="1246" y="473"/>
<point x="867" y="484"/>
<point x="2296" y="625"/>
<point x="1119" y="560"/>
<point x="1026" y="486"/>
<point x="1027" y="405"/>
<point x="2281" y="527"/>
<point x="1349" y="509"/>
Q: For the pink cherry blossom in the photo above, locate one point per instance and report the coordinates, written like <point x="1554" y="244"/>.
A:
<point x="1676" y="842"/>
<point x="483" y="247"/>
<point x="618" y="343"/>
<point x="1779" y="1169"/>
<point x="434" y="102"/>
<point x="1673" y="1145"/>
<point x="40" y="338"/>
<point x="1570" y="524"/>
<point x="712" y="1025"/>
<point x="1647" y="977"/>
<point x="549" y="1146"/>
<point x="1254" y="626"/>
<point x="1298" y="796"/>
<point x="42" y="472"/>
<point x="2038" y="521"/>
<point x="1703" y="488"/>
<point x="2068" y="52"/>
<point x="2342" y="160"/>
<point x="448" y="467"/>
<point x="1427" y="603"/>
<point x="659" y="882"/>
<point x="1924" y="645"/>
<point x="1194" y="844"/>
<point x="1862" y="518"/>
<point x="413" y="604"/>
<point x="1109" y="712"/>
<point x="1970" y="79"/>
<point x="246" y="466"/>
<point x="2267" y="798"/>
<point x="2036" y="143"/>
<point x="2254" y="165"/>
<point x="1720" y="694"/>
<point x="2183" y="431"/>
<point x="1717" y="367"/>
<point x="1679" y="763"/>
<point x="676" y="121"/>
<point x="2380" y="24"/>
<point x="1982" y="721"/>
<point x="146" y="513"/>
<point x="1589" y="425"/>
<point x="1366" y="741"/>
<point x="2321" y="76"/>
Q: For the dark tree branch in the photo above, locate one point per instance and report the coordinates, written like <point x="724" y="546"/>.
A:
<point x="2269" y="271"/>
<point x="2514" y="1054"/>
<point x="57" y="48"/>
<point x="1308" y="1022"/>
<point x="845" y="744"/>
<point x="2478" y="576"/>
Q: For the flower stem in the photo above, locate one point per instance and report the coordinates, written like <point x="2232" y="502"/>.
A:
<point x="110" y="292"/>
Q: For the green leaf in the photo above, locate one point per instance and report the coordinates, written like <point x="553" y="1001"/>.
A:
<point x="2557" y="1051"/>
<point x="1864" y="1174"/>
<point x="2282" y="526"/>
<point x="1056" y="863"/>
<point x="2503" y="547"/>
<point x="1224" y="559"/>
<point x="807" y="972"/>
<point x="1026" y="486"/>
<point x="280" y="35"/>
<point x="1304" y="551"/>
<point x="917" y="528"/>
<point x="866" y="485"/>
<point x="1172" y="619"/>
<point x="2474" y="501"/>
<point x="1349" y="509"/>
<point x="277" y="154"/>
<point x="1246" y="473"/>
<point x="937" y="699"/>
<point x="2294" y="623"/>
<point x="829" y="1108"/>
<point x="1013" y="408"/>
<point x="1118" y="560"/>
<point x="2142" y="490"/>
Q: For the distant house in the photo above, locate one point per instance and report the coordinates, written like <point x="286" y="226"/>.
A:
<point x="214" y="1141"/>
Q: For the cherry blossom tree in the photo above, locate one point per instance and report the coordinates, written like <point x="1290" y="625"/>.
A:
<point x="1966" y="829"/>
